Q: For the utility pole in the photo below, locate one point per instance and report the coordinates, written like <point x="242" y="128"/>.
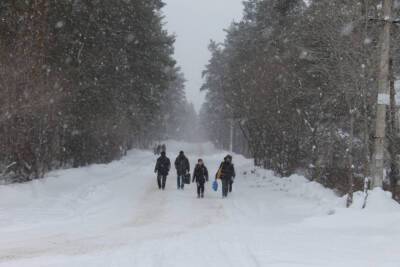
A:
<point x="383" y="99"/>
<point x="392" y="134"/>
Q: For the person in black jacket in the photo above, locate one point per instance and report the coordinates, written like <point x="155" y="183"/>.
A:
<point x="162" y="168"/>
<point x="226" y="173"/>
<point x="200" y="176"/>
<point x="182" y="168"/>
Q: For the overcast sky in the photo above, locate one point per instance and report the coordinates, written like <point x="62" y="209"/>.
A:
<point x="196" y="22"/>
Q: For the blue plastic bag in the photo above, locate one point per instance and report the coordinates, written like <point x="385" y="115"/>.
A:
<point x="215" y="186"/>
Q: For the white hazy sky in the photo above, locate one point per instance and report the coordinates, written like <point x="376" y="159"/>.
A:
<point x="196" y="22"/>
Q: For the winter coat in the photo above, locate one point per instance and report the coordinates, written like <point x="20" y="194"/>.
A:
<point x="226" y="171"/>
<point x="200" y="174"/>
<point x="182" y="165"/>
<point x="163" y="166"/>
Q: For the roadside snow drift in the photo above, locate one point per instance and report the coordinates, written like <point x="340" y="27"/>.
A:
<point x="114" y="215"/>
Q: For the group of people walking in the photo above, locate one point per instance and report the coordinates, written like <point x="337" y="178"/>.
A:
<point x="159" y="148"/>
<point x="225" y="173"/>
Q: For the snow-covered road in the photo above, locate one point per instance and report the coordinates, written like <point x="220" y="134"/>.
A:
<point x="114" y="215"/>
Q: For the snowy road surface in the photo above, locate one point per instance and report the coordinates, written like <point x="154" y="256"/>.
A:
<point x="114" y="215"/>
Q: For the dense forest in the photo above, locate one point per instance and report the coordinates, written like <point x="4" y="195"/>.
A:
<point x="295" y="83"/>
<point x="82" y="82"/>
<point x="294" y="86"/>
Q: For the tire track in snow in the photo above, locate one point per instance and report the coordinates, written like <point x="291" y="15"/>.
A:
<point x="152" y="207"/>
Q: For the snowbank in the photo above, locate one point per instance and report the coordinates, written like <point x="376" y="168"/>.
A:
<point x="378" y="201"/>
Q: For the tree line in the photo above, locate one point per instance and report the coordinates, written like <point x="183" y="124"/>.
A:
<point x="83" y="81"/>
<point x="295" y="82"/>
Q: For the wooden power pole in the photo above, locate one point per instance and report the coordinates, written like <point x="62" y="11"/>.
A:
<point x="383" y="100"/>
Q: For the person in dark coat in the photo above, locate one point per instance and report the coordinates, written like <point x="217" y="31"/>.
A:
<point x="200" y="176"/>
<point x="226" y="173"/>
<point x="182" y="168"/>
<point x="162" y="168"/>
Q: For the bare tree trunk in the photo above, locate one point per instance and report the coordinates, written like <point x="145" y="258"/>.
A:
<point x="383" y="98"/>
<point x="366" y="137"/>
<point x="350" y="161"/>
<point x="231" y="135"/>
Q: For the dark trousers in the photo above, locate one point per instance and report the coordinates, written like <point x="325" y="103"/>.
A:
<point x="200" y="189"/>
<point x="180" y="182"/>
<point x="225" y="187"/>
<point x="230" y="185"/>
<point x="161" y="180"/>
